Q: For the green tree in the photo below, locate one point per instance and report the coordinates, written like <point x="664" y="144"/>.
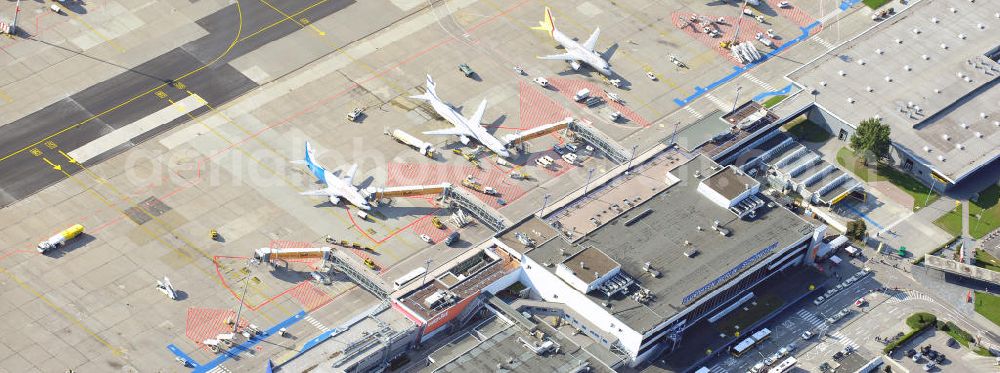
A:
<point x="871" y="140"/>
<point x="856" y="229"/>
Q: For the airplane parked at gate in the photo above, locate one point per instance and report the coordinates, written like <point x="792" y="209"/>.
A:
<point x="576" y="52"/>
<point x="337" y="187"/>
<point x="464" y="128"/>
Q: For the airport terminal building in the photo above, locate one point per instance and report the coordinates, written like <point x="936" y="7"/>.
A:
<point x="633" y="262"/>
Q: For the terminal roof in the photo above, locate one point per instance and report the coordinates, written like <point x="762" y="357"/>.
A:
<point x="926" y="73"/>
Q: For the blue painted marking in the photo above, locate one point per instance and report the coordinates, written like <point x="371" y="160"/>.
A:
<point x="863" y="216"/>
<point x="845" y="4"/>
<point x="737" y="70"/>
<point x="783" y="91"/>
<point x="182" y="355"/>
<point x="248" y="345"/>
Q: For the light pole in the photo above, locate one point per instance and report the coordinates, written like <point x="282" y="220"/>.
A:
<point x="673" y="136"/>
<point x="629" y="167"/>
<point x="929" y="191"/>
<point x="586" y="187"/>
<point x="545" y="202"/>
<point x="13" y="25"/>
<point x="246" y="282"/>
<point x="423" y="279"/>
<point x="737" y="99"/>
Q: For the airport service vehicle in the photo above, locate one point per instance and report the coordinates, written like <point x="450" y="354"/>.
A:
<point x="451" y="238"/>
<point x="465" y="69"/>
<point x="408" y="277"/>
<point x="472" y="183"/>
<point x="571" y="147"/>
<point x="615" y="116"/>
<point x="576" y="54"/>
<point x="465" y="128"/>
<point x="437" y="223"/>
<point x="423" y="147"/>
<point x="581" y="95"/>
<point x="166" y="288"/>
<point x="541" y="81"/>
<point x="426" y="238"/>
<point x="569" y="158"/>
<point x="60" y="238"/>
<point x="337" y="187"/>
<point x="355" y="114"/>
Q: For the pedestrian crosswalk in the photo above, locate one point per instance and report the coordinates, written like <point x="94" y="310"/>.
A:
<point x="317" y="324"/>
<point x="834" y="337"/>
<point x="905" y="295"/>
<point x="718" y="102"/>
<point x="219" y="369"/>
<point x="822" y="42"/>
<point x="694" y="112"/>
<point x="717" y="369"/>
<point x="761" y="83"/>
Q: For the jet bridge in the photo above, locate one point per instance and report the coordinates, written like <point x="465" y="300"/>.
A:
<point x="599" y="140"/>
<point x="459" y="198"/>
<point x="516" y="139"/>
<point x="406" y="191"/>
<point x="337" y="260"/>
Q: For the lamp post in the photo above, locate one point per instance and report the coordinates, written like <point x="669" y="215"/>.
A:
<point x="246" y="282"/>
<point x="423" y="279"/>
<point x="545" y="202"/>
<point x="737" y="99"/>
<point x="629" y="167"/>
<point x="13" y="25"/>
<point x="586" y="187"/>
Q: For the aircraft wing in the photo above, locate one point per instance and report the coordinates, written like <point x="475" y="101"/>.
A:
<point x="592" y="40"/>
<point x="477" y="118"/>
<point x="454" y="131"/>
<point x="561" y="57"/>
<point x="349" y="175"/>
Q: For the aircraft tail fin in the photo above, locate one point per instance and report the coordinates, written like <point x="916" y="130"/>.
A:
<point x="546" y="24"/>
<point x="431" y="92"/>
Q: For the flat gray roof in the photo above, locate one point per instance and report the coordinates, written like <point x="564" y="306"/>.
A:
<point x="659" y="238"/>
<point x="939" y="67"/>
<point x="495" y="342"/>
<point x="729" y="183"/>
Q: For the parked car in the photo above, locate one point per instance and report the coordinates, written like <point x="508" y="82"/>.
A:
<point x="916" y="358"/>
<point x="819" y="300"/>
<point x="940" y="358"/>
<point x="952" y="342"/>
<point x="911" y="352"/>
<point x="929" y="366"/>
<point x="466" y="70"/>
<point x="807" y="334"/>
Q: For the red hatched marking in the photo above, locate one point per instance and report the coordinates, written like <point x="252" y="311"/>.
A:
<point x="793" y="13"/>
<point x="569" y="87"/>
<point x="282" y="244"/>
<point x="205" y="323"/>
<point x="748" y="32"/>
<point x="537" y="108"/>
<point x="309" y="296"/>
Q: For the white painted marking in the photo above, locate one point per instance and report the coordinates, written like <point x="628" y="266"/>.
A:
<point x="759" y="82"/>
<point x="822" y="42"/>
<point x="139" y="127"/>
<point x="718" y="102"/>
<point x="694" y="112"/>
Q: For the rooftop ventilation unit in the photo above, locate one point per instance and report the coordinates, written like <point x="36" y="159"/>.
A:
<point x="962" y="36"/>
<point x="938" y="91"/>
<point x="944" y="46"/>
<point x="983" y="115"/>
<point x="927" y="148"/>
<point x="979" y="134"/>
<point x="907" y="68"/>
<point x="916" y="31"/>
<point x="822" y="84"/>
<point x="964" y="125"/>
<point x="935" y="20"/>
<point x="691" y="253"/>
<point x="996" y="123"/>
<point x="869" y="89"/>
<point x="898" y="41"/>
<point x="888" y="79"/>
<point x="861" y="62"/>
<point x="879" y="51"/>
<point x="841" y="73"/>
<point x="945" y="137"/>
<point x="953" y="10"/>
<point x="959" y="146"/>
<point x="850" y="100"/>
<point x="941" y="158"/>
<point x="981" y="26"/>
<point x="925" y="57"/>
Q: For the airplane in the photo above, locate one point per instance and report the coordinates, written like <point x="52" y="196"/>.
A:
<point x="337" y="187"/>
<point x="575" y="52"/>
<point x="464" y="128"/>
<point x="167" y="288"/>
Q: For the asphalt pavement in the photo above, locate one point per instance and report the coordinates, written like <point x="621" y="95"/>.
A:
<point x="200" y="67"/>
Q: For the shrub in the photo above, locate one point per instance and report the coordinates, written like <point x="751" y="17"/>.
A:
<point x="921" y="320"/>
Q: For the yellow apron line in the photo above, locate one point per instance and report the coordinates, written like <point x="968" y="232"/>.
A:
<point x="94" y="30"/>
<point x="318" y="31"/>
<point x="239" y="30"/>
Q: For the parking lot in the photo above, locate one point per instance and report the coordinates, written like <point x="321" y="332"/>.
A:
<point x="957" y="358"/>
